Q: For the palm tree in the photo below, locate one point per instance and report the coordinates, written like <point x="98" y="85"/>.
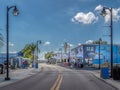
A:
<point x="49" y="55"/>
<point x="29" y="51"/>
<point x="26" y="51"/>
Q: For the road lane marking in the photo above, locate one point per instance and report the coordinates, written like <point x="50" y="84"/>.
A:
<point x="57" y="83"/>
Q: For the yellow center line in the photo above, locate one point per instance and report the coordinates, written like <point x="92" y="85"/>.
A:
<point x="53" y="87"/>
<point x="57" y="83"/>
<point x="60" y="81"/>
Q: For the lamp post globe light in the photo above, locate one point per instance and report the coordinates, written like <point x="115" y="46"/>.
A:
<point x="104" y="13"/>
<point x="15" y="13"/>
<point x="99" y="50"/>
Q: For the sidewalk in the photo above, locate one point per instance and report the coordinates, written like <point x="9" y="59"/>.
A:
<point x="110" y="81"/>
<point x="16" y="75"/>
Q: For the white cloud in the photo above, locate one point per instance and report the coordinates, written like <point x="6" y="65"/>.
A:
<point x="79" y="44"/>
<point x="11" y="44"/>
<point x="115" y="13"/>
<point x="42" y="55"/>
<point x="85" y="18"/>
<point x="89" y="42"/>
<point x="47" y="43"/>
<point x="71" y="45"/>
<point x="99" y="8"/>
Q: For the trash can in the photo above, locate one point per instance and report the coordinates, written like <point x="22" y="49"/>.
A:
<point x="23" y="65"/>
<point x="116" y="73"/>
<point x="105" y="72"/>
<point x="36" y="65"/>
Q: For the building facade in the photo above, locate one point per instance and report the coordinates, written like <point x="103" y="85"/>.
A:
<point x="14" y="59"/>
<point x="89" y="53"/>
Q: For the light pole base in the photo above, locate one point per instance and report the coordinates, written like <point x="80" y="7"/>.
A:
<point x="7" y="78"/>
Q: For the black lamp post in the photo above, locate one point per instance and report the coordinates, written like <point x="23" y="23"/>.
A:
<point x="104" y="13"/>
<point x="60" y="49"/>
<point x="15" y="13"/>
<point x="65" y="47"/>
<point x="69" y="52"/>
<point x="99" y="50"/>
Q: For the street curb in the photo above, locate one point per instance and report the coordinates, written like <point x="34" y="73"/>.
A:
<point x="105" y="81"/>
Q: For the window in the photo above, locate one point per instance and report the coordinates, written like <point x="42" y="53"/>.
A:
<point x="90" y="48"/>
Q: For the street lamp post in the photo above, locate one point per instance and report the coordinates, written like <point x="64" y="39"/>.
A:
<point x="65" y="49"/>
<point x="69" y="52"/>
<point x="60" y="49"/>
<point x="15" y="13"/>
<point x="111" y="34"/>
<point x="38" y="42"/>
<point x="99" y="50"/>
<point x="61" y="55"/>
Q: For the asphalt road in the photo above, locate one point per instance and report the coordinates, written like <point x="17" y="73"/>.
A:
<point x="59" y="78"/>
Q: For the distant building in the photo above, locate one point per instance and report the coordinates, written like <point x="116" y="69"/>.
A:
<point x="14" y="59"/>
<point x="89" y="53"/>
<point x="3" y="57"/>
<point x="85" y="52"/>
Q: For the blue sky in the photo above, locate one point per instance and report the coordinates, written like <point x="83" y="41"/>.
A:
<point x="51" y="21"/>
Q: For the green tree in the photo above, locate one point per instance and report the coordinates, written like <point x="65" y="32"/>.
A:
<point x="33" y="47"/>
<point x="102" y="42"/>
<point x="29" y="51"/>
<point x="49" y="55"/>
<point x="26" y="51"/>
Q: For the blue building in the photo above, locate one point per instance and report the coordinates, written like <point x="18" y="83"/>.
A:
<point x="89" y="53"/>
<point x="85" y="52"/>
<point x="105" y="54"/>
<point x="3" y="57"/>
<point x="14" y="59"/>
